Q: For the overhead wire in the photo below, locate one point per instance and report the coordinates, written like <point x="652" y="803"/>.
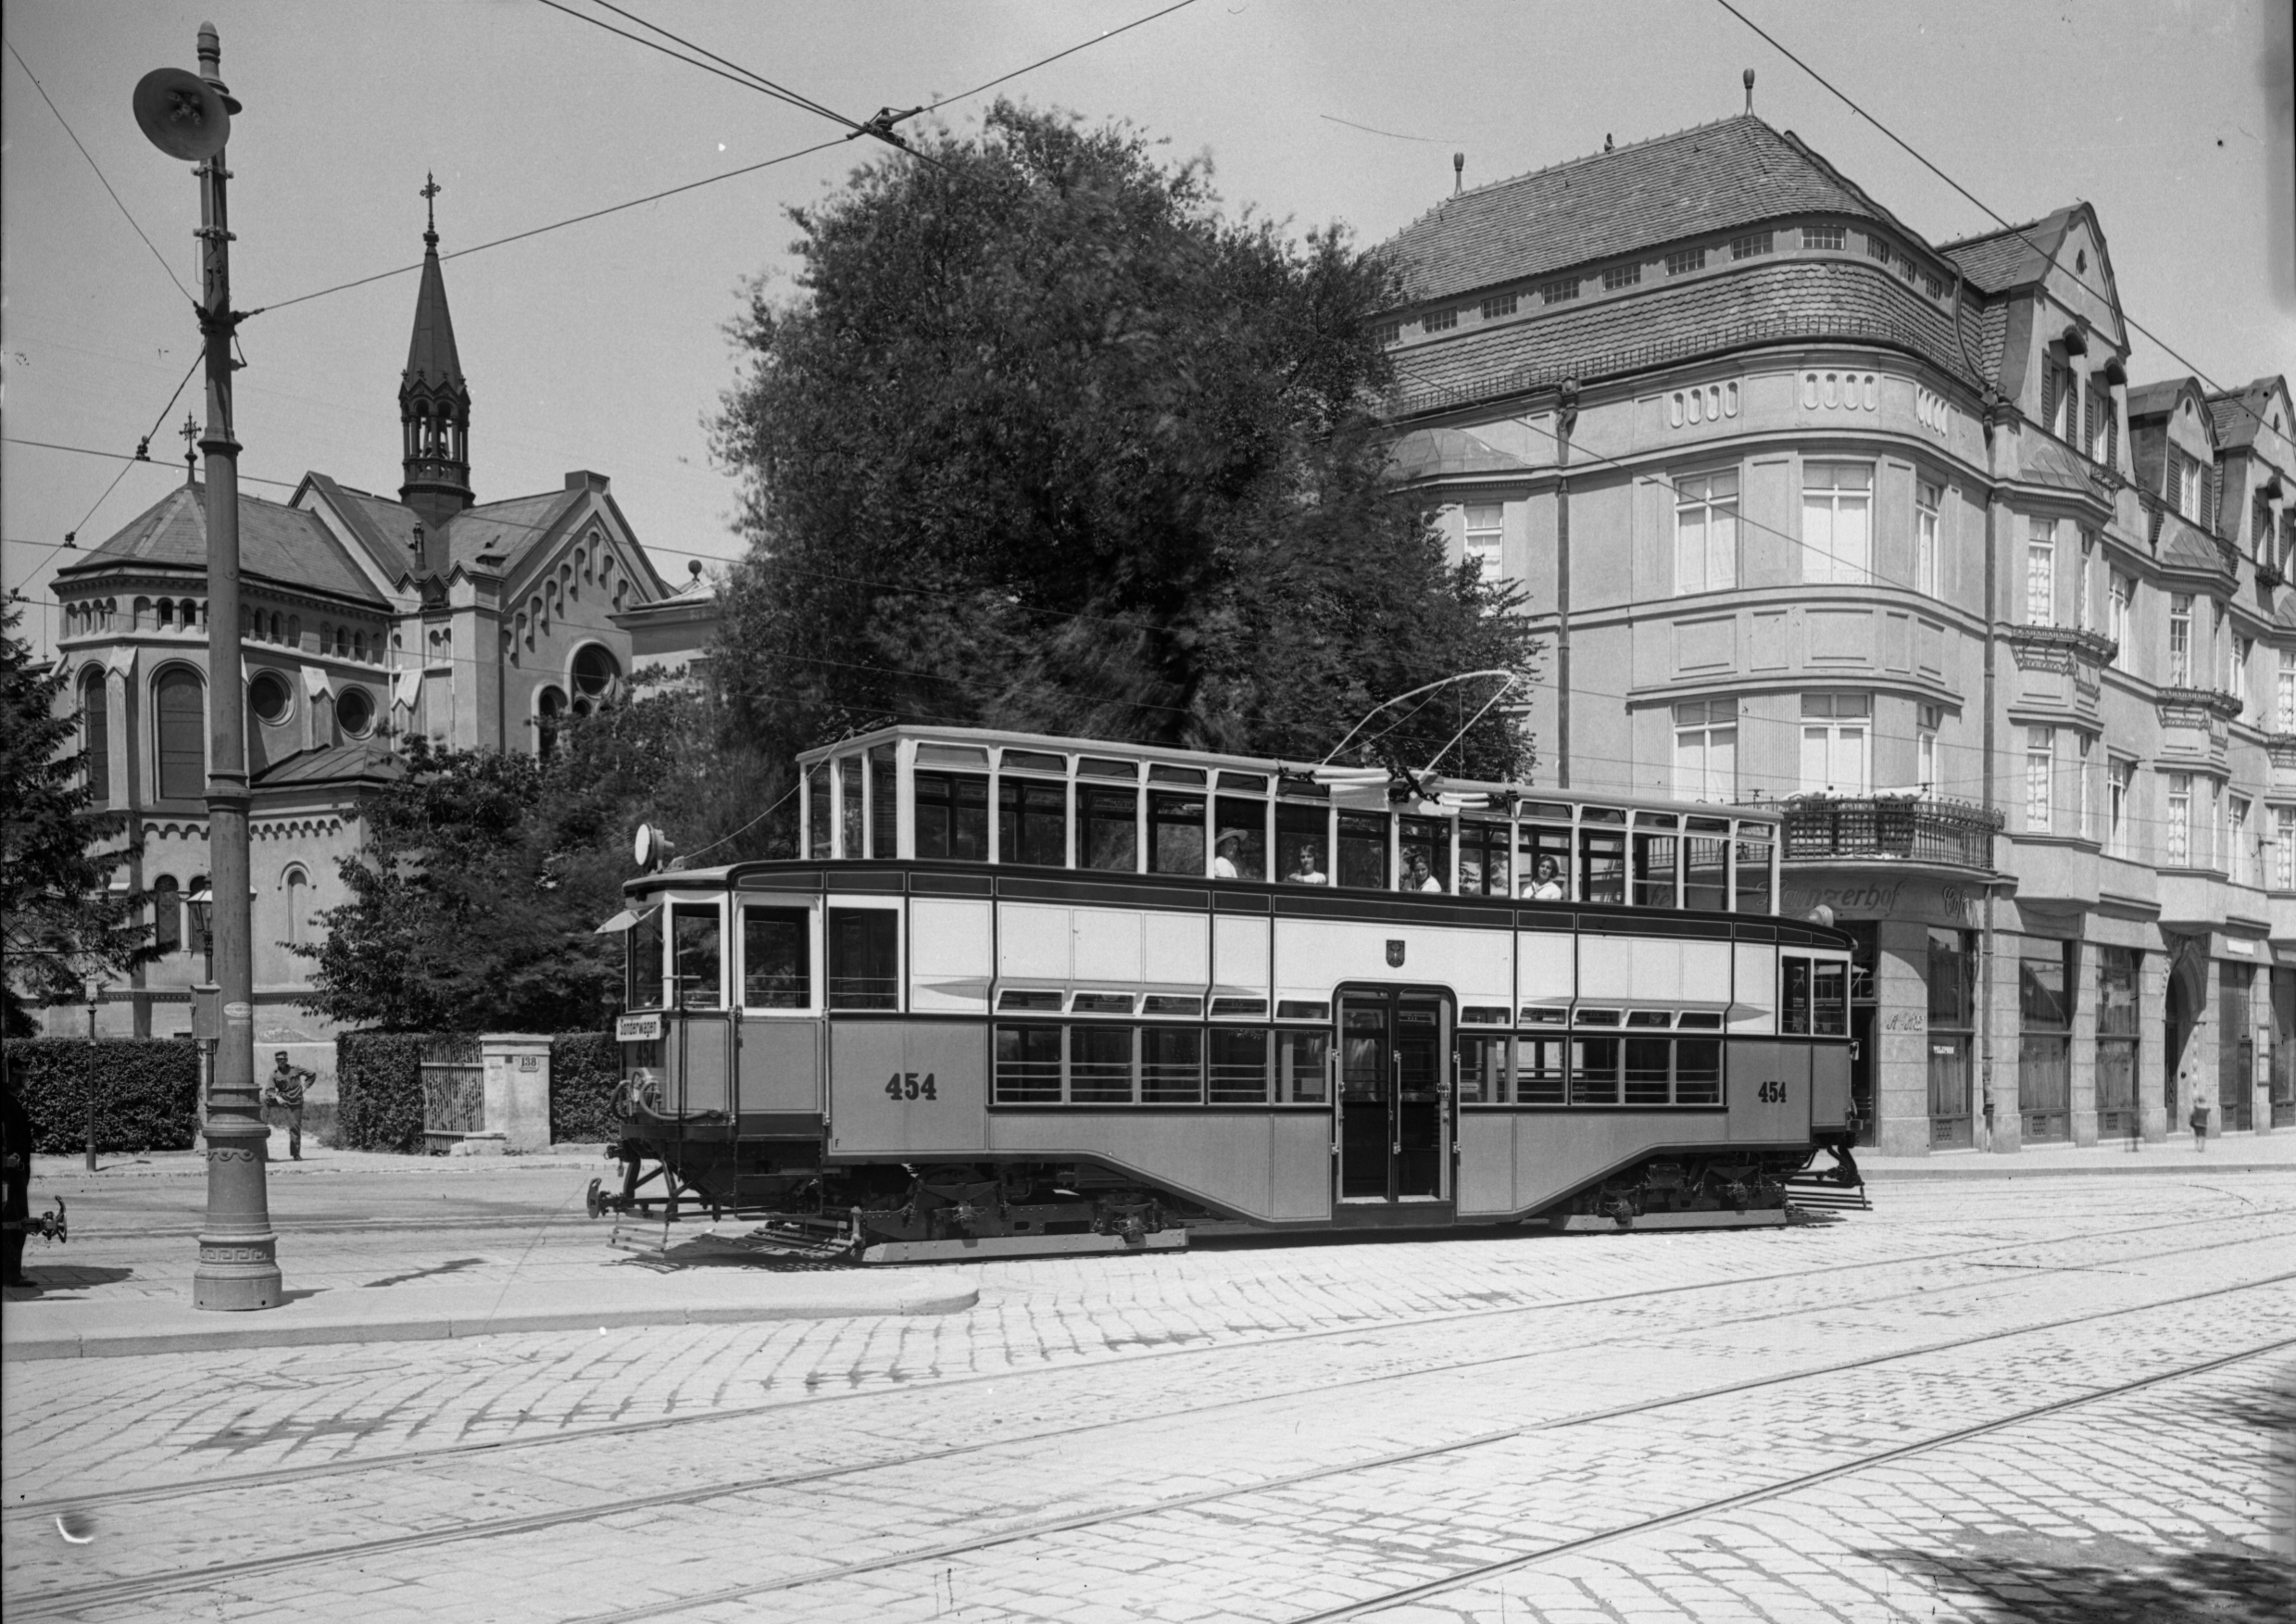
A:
<point x="2018" y="232"/>
<point x="739" y="75"/>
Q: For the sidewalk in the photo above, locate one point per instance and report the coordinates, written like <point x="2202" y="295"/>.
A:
<point x="2239" y="1152"/>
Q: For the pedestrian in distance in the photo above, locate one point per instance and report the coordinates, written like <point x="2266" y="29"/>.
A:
<point x="284" y="1089"/>
<point x="2200" y="1126"/>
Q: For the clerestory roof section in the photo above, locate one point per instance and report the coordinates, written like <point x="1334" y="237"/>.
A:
<point x="1697" y="182"/>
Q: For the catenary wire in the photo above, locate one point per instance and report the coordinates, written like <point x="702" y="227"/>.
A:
<point x="741" y="76"/>
<point x="99" y="172"/>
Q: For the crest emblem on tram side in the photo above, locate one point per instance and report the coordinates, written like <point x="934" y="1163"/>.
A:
<point x="1394" y="953"/>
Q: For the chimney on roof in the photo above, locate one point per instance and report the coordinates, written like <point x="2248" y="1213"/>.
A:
<point x="1458" y="173"/>
<point x="1606" y="141"/>
<point x="1749" y="77"/>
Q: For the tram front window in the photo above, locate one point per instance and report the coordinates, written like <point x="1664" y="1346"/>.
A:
<point x="1112" y="829"/>
<point x="1426" y="848"/>
<point x="1176" y="834"/>
<point x="776" y="968"/>
<point x="694" y="941"/>
<point x="1300" y="832"/>
<point x="1239" y="839"/>
<point x="645" y="971"/>
<point x="1364" y="850"/>
<point x="864" y="958"/>
<point x="1031" y="823"/>
<point x="952" y="817"/>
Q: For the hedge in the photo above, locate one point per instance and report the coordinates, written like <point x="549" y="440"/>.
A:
<point x="146" y="1091"/>
<point x="585" y="1069"/>
<point x="378" y="1085"/>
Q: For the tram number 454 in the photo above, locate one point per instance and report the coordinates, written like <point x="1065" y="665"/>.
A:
<point x="910" y="1086"/>
<point x="1772" y="1093"/>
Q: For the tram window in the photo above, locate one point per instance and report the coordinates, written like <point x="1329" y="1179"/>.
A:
<point x="864" y="958"/>
<point x="1483" y="865"/>
<point x="695" y="942"/>
<point x="1159" y="774"/>
<point x="1753" y="875"/>
<point x="1649" y="1017"/>
<point x="1794" y="1001"/>
<point x="1533" y="1016"/>
<point x="1171" y="1066"/>
<point x="1706" y="873"/>
<point x="777" y="973"/>
<point x="1239" y="1066"/>
<point x="1829" y="999"/>
<point x="1362" y="1051"/>
<point x="1483" y="1071"/>
<point x="1364" y="850"/>
<point x="1239" y="1006"/>
<point x="1035" y="761"/>
<point x="645" y="978"/>
<point x="1107" y="767"/>
<point x="1300" y="1009"/>
<point x="1654" y="870"/>
<point x="1538" y="1075"/>
<point x="1587" y="1017"/>
<point x="1031" y="822"/>
<point x="1239" y="838"/>
<point x="1028" y="999"/>
<point x="1545" y="866"/>
<point x="884" y="802"/>
<point x="1701" y="1020"/>
<point x="1028" y="1065"/>
<point x="1112" y="828"/>
<point x="1483" y="1014"/>
<point x="1300" y="832"/>
<point x="1697" y="1071"/>
<point x="1594" y="1071"/>
<point x="1256" y="783"/>
<point x="1425" y="846"/>
<point x="952" y="817"/>
<point x="1172" y="1003"/>
<point x="1302" y="1067"/>
<point x="1601" y="865"/>
<point x="1099" y="1065"/>
<point x="817" y="812"/>
<point x="1102" y="1003"/>
<point x="1175" y="833"/>
<point x="850" y="805"/>
<point x="1648" y="1063"/>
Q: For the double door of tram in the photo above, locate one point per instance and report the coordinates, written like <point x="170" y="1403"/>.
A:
<point x="1395" y="1095"/>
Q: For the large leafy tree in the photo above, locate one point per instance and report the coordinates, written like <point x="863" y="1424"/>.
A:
<point x="1042" y="439"/>
<point x="482" y="876"/>
<point x="63" y="925"/>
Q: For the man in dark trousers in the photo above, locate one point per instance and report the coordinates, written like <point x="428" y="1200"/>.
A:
<point x="284" y="1088"/>
<point x="16" y="1175"/>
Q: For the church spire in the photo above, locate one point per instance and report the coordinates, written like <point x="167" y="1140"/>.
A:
<point x="434" y="403"/>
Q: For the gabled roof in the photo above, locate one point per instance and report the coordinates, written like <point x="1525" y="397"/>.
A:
<point x="366" y="761"/>
<point x="1707" y="179"/>
<point x="2240" y="413"/>
<point x="283" y="546"/>
<point x="2014" y="256"/>
<point x="2159" y="398"/>
<point x="507" y="529"/>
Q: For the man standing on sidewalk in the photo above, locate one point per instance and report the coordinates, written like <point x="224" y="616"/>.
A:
<point x="284" y="1089"/>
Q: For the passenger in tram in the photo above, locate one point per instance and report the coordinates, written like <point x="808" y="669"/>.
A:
<point x="1418" y="876"/>
<point x="1305" y="870"/>
<point x="1548" y="887"/>
<point x="1223" y="866"/>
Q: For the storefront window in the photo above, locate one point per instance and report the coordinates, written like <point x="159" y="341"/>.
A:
<point x="1952" y="1017"/>
<point x="2045" y="988"/>
<point x="2118" y="971"/>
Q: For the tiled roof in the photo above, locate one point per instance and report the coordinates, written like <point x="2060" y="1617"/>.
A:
<point x="2185" y="544"/>
<point x="505" y="529"/>
<point x="1711" y="178"/>
<point x="1988" y="327"/>
<point x="2155" y="399"/>
<point x="1781" y="302"/>
<point x="2048" y="460"/>
<point x="367" y="760"/>
<point x="2239" y="412"/>
<point x="2006" y="258"/>
<point x="280" y="544"/>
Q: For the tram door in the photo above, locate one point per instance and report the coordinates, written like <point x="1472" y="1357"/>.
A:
<point x="1394" y="1097"/>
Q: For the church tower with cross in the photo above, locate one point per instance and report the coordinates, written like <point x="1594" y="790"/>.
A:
<point x="433" y="402"/>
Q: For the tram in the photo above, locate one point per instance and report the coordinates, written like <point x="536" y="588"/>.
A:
<point x="1025" y="993"/>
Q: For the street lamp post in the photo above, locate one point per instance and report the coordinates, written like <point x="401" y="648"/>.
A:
<point x="189" y="116"/>
<point x="94" y="995"/>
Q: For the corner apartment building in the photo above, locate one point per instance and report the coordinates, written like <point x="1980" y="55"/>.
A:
<point x="1811" y="509"/>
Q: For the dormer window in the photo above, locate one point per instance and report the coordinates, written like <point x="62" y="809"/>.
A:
<point x="1620" y="276"/>
<point x="1554" y="292"/>
<point x="1439" y="320"/>
<point x="1688" y="260"/>
<point x="1821" y="236"/>
<point x="1387" y="331"/>
<point x="1498" y="305"/>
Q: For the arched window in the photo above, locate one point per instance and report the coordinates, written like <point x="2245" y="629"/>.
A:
<point x="596" y="673"/>
<point x="197" y="938"/>
<point x="295" y="630"/>
<point x="297" y="884"/>
<point x="179" y="703"/>
<point x="167" y="914"/>
<point x="95" y="734"/>
<point x="549" y="716"/>
<point x="359" y="645"/>
<point x="166" y="619"/>
<point x="277" y="630"/>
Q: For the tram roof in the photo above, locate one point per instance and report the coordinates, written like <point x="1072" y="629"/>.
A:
<point x="1272" y="766"/>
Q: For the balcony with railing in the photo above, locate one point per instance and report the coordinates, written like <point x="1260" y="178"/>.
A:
<point x="1898" y="828"/>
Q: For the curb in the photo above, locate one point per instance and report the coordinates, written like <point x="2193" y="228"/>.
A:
<point x="2122" y="1170"/>
<point x="443" y="1323"/>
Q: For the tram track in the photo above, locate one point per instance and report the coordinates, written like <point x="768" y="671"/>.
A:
<point x="777" y="1406"/>
<point x="127" y="1590"/>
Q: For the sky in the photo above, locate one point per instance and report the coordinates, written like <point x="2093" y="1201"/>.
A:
<point x="605" y="345"/>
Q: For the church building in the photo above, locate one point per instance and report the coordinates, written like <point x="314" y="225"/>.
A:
<point x="368" y="619"/>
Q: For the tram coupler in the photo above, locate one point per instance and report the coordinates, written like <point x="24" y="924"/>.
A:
<point x="47" y="1225"/>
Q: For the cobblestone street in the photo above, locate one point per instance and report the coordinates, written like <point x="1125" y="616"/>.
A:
<point x="2054" y="1399"/>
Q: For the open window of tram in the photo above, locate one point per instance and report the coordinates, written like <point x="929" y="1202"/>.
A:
<point x="1655" y="851"/>
<point x="777" y="958"/>
<point x="1543" y="852"/>
<point x="1032" y="810"/>
<point x="1601" y="855"/>
<point x="696" y="956"/>
<point x="1706" y="864"/>
<point x="1755" y="850"/>
<point x="1424" y="853"/>
<point x="642" y="943"/>
<point x="1303" y="841"/>
<point x="1364" y="850"/>
<point x="1239" y="839"/>
<point x="1483" y="858"/>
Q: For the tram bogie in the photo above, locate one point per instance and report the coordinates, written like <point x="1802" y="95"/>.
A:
<point x="1035" y="990"/>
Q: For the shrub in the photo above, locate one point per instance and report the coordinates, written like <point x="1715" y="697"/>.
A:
<point x="379" y="1086"/>
<point x="585" y="1068"/>
<point x="145" y="1090"/>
